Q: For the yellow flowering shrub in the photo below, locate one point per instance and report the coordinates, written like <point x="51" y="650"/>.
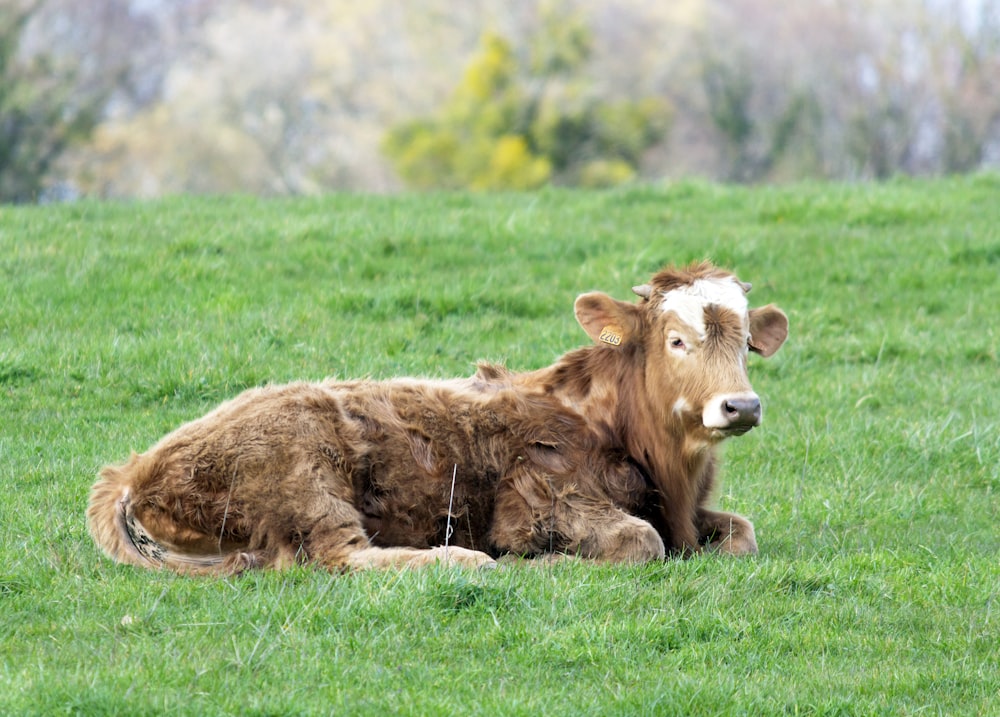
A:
<point x="520" y="124"/>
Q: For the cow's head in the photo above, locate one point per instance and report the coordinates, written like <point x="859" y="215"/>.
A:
<point x="692" y="330"/>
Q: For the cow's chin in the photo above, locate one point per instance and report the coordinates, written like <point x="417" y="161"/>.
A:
<point x="721" y="434"/>
<point x="711" y="434"/>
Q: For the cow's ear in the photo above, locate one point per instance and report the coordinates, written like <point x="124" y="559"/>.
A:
<point x="768" y="329"/>
<point x="606" y="320"/>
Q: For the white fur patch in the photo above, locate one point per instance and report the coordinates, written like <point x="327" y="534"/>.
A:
<point x="689" y="302"/>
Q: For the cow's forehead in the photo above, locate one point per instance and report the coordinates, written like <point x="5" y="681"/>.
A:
<point x="689" y="301"/>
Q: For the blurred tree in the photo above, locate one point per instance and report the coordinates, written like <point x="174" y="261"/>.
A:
<point x="307" y="96"/>
<point x="263" y="98"/>
<point x="967" y="74"/>
<point x="40" y="116"/>
<point x="851" y="89"/>
<point x="751" y="145"/>
<point x="519" y="124"/>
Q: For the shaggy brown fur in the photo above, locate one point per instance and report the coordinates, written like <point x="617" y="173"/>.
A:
<point x="603" y="455"/>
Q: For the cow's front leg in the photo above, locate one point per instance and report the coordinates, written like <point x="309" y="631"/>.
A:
<point x="726" y="532"/>
<point x="534" y="518"/>
<point x="613" y="535"/>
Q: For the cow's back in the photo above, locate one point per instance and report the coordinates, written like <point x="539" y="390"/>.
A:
<point x="418" y="436"/>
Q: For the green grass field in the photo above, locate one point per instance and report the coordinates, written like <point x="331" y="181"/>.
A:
<point x="873" y="483"/>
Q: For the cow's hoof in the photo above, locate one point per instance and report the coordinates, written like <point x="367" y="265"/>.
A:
<point x="462" y="557"/>
<point x="735" y="545"/>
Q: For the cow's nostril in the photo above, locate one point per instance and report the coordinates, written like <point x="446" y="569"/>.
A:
<point x="742" y="411"/>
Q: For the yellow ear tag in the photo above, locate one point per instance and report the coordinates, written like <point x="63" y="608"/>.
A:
<point x="611" y="335"/>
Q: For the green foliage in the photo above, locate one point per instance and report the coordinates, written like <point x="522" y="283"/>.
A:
<point x="514" y="124"/>
<point x="750" y="149"/>
<point x="40" y="116"/>
<point x="872" y="483"/>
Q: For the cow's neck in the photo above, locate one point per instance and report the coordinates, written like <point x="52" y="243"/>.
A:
<point x="609" y="385"/>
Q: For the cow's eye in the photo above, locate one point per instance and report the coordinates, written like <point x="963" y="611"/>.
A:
<point x="677" y="343"/>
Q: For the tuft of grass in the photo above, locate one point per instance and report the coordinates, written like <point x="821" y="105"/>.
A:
<point x="872" y="483"/>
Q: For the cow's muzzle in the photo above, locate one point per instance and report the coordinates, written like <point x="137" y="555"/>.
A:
<point x="733" y="415"/>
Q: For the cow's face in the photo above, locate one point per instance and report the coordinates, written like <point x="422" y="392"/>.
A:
<point x="692" y="332"/>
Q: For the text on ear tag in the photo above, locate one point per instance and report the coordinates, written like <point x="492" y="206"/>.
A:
<point x="611" y="335"/>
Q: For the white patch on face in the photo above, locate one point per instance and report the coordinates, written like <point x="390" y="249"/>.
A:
<point x="689" y="302"/>
<point x="680" y="405"/>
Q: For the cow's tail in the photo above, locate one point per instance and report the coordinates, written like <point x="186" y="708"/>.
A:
<point x="114" y="526"/>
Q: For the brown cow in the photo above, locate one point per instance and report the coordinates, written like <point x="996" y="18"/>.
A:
<point x="610" y="453"/>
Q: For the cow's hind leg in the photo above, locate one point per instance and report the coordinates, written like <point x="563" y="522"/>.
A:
<point x="375" y="557"/>
<point x="726" y="532"/>
<point x="338" y="541"/>
<point x="327" y="530"/>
